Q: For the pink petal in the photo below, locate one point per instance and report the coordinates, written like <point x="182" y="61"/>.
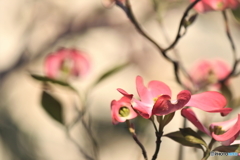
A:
<point x="81" y="62"/>
<point x="116" y="106"/>
<point x="201" y="7"/>
<point x="217" y="5"/>
<point x="229" y="141"/>
<point x="233" y="4"/>
<point x="229" y="134"/>
<point x="235" y="142"/>
<point x="226" y="124"/>
<point x="143" y="92"/>
<point x="164" y="106"/>
<point x="52" y="65"/>
<point x="210" y="102"/>
<point x="145" y="110"/>
<point x="158" y="88"/>
<point x="221" y="69"/>
<point x="191" y="116"/>
<point x="200" y="71"/>
<point x="123" y="92"/>
<point x="78" y="62"/>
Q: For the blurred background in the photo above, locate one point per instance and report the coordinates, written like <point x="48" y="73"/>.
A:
<point x="31" y="29"/>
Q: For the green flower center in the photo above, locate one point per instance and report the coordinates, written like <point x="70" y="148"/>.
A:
<point x="217" y="130"/>
<point x="212" y="78"/>
<point x="124" y="111"/>
<point x="66" y="66"/>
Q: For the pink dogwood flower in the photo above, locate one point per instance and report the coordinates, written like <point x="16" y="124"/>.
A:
<point x="156" y="100"/>
<point x="224" y="132"/>
<point x="66" y="62"/>
<point x="209" y="72"/>
<point x="215" y="5"/>
<point x="122" y="109"/>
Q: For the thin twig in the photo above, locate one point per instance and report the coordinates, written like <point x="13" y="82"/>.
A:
<point x="95" y="144"/>
<point x="154" y="125"/>
<point x="179" y="35"/>
<point x="132" y="131"/>
<point x="77" y="145"/>
<point x="236" y="61"/>
<point x="158" y="134"/>
<point x="128" y="10"/>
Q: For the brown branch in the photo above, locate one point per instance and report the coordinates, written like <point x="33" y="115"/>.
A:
<point x="158" y="144"/>
<point x="236" y="61"/>
<point x="128" y="10"/>
<point x="132" y="131"/>
<point x="179" y="35"/>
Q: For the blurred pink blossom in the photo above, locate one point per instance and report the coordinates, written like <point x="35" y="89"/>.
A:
<point x="231" y="128"/>
<point x="122" y="109"/>
<point x="215" y="5"/>
<point x="209" y="72"/>
<point x="66" y="62"/>
<point x="156" y="100"/>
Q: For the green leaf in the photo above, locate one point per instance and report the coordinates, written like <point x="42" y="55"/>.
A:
<point x="178" y="137"/>
<point x="168" y="118"/>
<point x="111" y="72"/>
<point x="236" y="13"/>
<point x="46" y="79"/>
<point x="52" y="106"/>
<point x="192" y="18"/>
<point x="192" y="136"/>
<point x="232" y="148"/>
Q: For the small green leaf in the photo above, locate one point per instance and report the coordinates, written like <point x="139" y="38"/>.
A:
<point x="111" y="72"/>
<point x="46" y="79"/>
<point x="52" y="106"/>
<point x="168" y="118"/>
<point x="236" y="13"/>
<point x="232" y="148"/>
<point x="192" y="18"/>
<point x="192" y="136"/>
<point x="189" y="21"/>
<point x="178" y="137"/>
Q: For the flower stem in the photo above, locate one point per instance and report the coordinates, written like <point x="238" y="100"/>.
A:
<point x="132" y="131"/>
<point x="207" y="153"/>
<point x="159" y="134"/>
<point x="158" y="144"/>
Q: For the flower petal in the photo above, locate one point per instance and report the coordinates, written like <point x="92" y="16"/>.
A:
<point x="158" y="88"/>
<point x="226" y="124"/>
<point x="229" y="135"/>
<point x="123" y="92"/>
<point x="143" y="92"/>
<point x="145" y="110"/>
<point x="52" y="65"/>
<point x="221" y="68"/>
<point x="191" y="116"/>
<point x="210" y="102"/>
<point x="164" y="106"/>
<point x="81" y="62"/>
<point x="201" y="7"/>
<point x="117" y="105"/>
